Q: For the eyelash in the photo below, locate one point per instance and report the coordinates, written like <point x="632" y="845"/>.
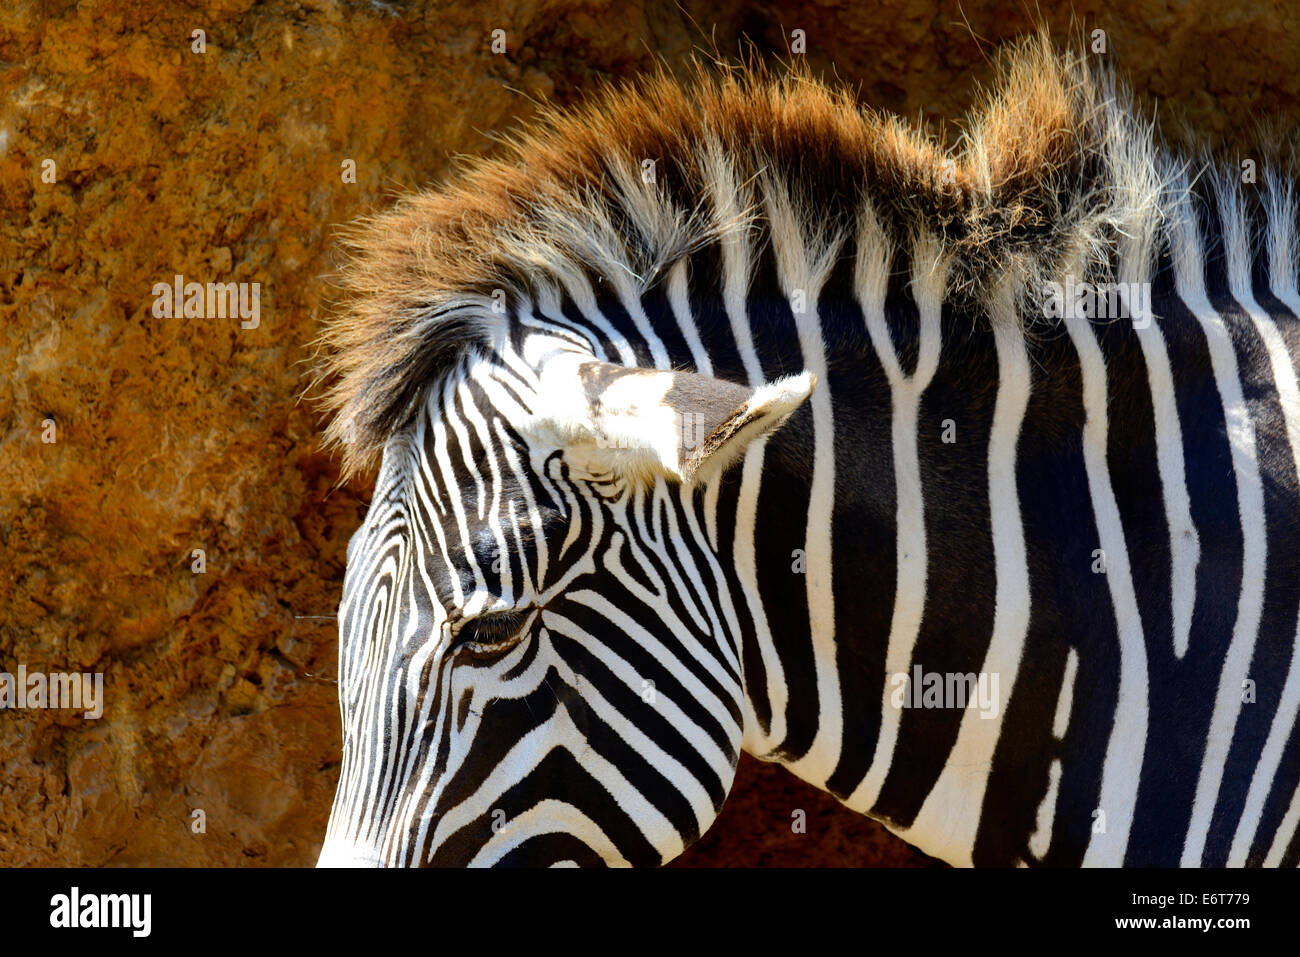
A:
<point x="487" y="631"/>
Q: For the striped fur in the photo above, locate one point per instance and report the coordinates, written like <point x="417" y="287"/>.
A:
<point x="563" y="620"/>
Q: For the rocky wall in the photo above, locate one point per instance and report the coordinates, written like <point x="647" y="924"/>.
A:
<point x="166" y="515"/>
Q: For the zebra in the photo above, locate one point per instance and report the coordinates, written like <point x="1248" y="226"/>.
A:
<point x="723" y="414"/>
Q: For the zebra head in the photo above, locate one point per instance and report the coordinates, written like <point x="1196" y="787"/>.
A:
<point x="539" y="653"/>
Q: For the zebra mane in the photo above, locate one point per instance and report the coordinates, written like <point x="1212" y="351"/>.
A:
<point x="1052" y="167"/>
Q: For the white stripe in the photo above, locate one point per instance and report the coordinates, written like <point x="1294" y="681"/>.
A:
<point x="1184" y="542"/>
<point x="458" y="746"/>
<point x="1041" y="840"/>
<point x="522" y="759"/>
<point x="549" y="817"/>
<point x="704" y="697"/>
<point x="711" y="513"/>
<point x="697" y="739"/>
<point x="1127" y="746"/>
<point x="1284" y="718"/>
<point x="1285" y="831"/>
<point x="798" y="271"/>
<point x="680" y="303"/>
<point x="905" y="394"/>
<point x="376" y="703"/>
<point x="726" y="199"/>
<point x="486" y="439"/>
<point x="521" y="472"/>
<point x="628" y="298"/>
<point x="707" y="658"/>
<point x="662" y="536"/>
<point x="1065" y="702"/>
<point x="549" y="316"/>
<point x="1270" y="760"/>
<point x="723" y="603"/>
<point x="1190" y="284"/>
<point x="582" y="295"/>
<point x="949" y="819"/>
<point x="442" y="457"/>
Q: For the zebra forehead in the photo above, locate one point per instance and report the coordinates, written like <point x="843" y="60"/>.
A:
<point x="642" y="175"/>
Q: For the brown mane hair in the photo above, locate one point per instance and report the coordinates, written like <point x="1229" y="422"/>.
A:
<point x="1032" y="179"/>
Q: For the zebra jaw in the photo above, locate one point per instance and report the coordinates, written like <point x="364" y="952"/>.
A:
<point x="639" y="425"/>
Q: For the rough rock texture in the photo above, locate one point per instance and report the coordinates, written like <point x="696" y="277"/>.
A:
<point x="187" y="433"/>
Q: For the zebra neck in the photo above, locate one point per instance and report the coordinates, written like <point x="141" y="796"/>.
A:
<point x="878" y="537"/>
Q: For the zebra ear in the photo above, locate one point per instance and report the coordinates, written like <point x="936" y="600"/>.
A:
<point x="721" y="440"/>
<point x="639" y="424"/>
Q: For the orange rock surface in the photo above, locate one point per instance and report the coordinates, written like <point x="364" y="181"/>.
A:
<point x="128" y="157"/>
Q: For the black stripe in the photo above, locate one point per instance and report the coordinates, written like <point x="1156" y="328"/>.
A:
<point x="960" y="586"/>
<point x="1277" y="627"/>
<point x="864" y="560"/>
<point x="1070" y="607"/>
<point x="783" y="499"/>
<point x="1181" y="692"/>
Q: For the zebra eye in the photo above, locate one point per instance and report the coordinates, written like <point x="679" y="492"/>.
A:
<point x="487" y="631"/>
